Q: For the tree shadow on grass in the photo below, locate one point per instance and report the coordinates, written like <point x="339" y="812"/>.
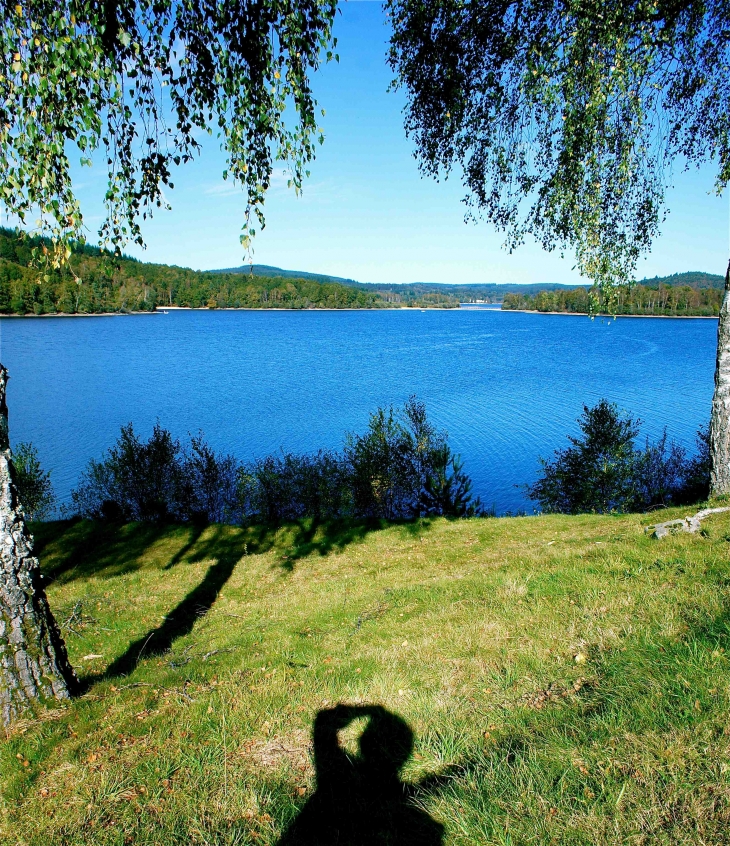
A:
<point x="195" y="531"/>
<point x="227" y="549"/>
<point x="297" y="540"/>
<point x="79" y="549"/>
<point x="83" y="549"/>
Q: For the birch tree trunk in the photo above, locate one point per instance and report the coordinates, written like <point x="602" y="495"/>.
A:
<point x="720" y="419"/>
<point x="34" y="666"/>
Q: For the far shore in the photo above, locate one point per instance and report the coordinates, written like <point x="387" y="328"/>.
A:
<point x="328" y="308"/>
<point x="83" y="314"/>
<point x="164" y="309"/>
<point x="613" y="316"/>
<point x="464" y="307"/>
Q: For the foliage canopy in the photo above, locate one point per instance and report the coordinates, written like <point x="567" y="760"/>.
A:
<point x="566" y="115"/>
<point x="141" y="79"/>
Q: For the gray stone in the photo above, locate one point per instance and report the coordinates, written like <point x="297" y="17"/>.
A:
<point x="683" y="524"/>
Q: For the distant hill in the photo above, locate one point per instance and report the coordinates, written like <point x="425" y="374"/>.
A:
<point x="496" y="291"/>
<point x="269" y="270"/>
<point x="470" y="292"/>
<point x="693" y="278"/>
<point x="95" y="282"/>
<point x="409" y="292"/>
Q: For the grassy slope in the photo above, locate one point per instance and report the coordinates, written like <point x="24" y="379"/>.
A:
<point x="468" y="630"/>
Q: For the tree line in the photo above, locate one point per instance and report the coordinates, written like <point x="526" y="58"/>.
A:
<point x="93" y="282"/>
<point x="664" y="300"/>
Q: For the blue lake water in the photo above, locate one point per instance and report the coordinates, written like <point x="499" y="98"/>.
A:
<point x="507" y="386"/>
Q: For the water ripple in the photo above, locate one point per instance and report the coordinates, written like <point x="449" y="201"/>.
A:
<point x="506" y="386"/>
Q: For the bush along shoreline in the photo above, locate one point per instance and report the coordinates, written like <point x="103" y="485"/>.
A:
<point x="603" y="471"/>
<point x="400" y="468"/>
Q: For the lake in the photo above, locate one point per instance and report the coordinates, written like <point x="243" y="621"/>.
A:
<point x="507" y="386"/>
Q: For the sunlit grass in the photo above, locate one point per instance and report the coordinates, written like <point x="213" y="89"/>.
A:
<point x="567" y="675"/>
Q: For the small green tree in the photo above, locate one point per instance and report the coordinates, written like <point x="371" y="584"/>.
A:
<point x="447" y="489"/>
<point x="596" y="473"/>
<point x="208" y="489"/>
<point x="35" y="490"/>
<point x="158" y="479"/>
<point x="403" y="467"/>
<point x="388" y="464"/>
<point x="385" y="466"/>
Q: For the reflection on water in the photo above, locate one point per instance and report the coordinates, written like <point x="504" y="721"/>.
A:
<point x="506" y="386"/>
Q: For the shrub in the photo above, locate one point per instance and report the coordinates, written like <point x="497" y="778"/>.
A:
<point x="400" y="468"/>
<point x="447" y="489"/>
<point x="696" y="483"/>
<point x="287" y="487"/>
<point x="33" y="483"/>
<point x="596" y="473"/>
<point x="384" y="475"/>
<point x="134" y="481"/>
<point x="208" y="490"/>
<point x="659" y="475"/>
<point x="603" y="471"/>
<point x="158" y="480"/>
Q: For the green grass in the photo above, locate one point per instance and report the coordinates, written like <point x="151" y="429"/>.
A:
<point x="566" y="677"/>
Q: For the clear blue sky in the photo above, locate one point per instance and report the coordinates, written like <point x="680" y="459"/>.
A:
<point x="367" y="214"/>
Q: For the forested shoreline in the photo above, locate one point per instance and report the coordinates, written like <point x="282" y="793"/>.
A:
<point x="640" y="300"/>
<point x="97" y="283"/>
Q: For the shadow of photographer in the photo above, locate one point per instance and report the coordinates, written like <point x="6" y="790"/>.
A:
<point x="360" y="799"/>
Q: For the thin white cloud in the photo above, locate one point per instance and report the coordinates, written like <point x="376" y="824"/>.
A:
<point x="279" y="179"/>
<point x="223" y="189"/>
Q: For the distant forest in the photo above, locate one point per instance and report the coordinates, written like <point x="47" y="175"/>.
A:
<point x="479" y="292"/>
<point x="668" y="300"/>
<point x="495" y="292"/>
<point x="95" y="282"/>
<point x="410" y="292"/>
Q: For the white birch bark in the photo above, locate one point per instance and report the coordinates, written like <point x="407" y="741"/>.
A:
<point x="34" y="666"/>
<point x="720" y="419"/>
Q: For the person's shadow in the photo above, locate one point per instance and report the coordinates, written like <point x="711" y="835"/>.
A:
<point x="360" y="800"/>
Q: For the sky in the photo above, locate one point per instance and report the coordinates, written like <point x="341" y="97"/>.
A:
<point x="367" y="214"/>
